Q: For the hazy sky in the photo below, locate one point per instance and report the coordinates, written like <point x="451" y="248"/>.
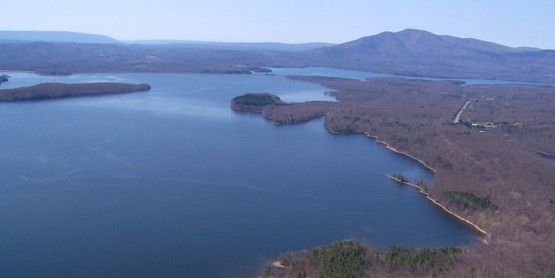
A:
<point x="509" y="22"/>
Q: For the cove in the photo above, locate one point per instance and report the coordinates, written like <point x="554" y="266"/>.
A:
<point x="174" y="183"/>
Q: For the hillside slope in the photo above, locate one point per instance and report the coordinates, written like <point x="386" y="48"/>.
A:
<point x="55" y="36"/>
<point x="421" y="53"/>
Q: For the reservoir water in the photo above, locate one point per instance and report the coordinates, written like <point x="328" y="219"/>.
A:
<point x="173" y="183"/>
<point x="361" y="75"/>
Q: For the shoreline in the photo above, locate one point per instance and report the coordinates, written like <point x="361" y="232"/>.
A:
<point x="375" y="138"/>
<point x="445" y="209"/>
<point x="546" y="155"/>
<point x="278" y="264"/>
<point x="475" y="227"/>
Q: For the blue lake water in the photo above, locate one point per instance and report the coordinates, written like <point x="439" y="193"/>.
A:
<point x="173" y="183"/>
<point x="362" y="75"/>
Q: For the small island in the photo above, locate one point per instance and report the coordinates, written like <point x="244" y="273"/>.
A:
<point x="254" y="102"/>
<point x="3" y="78"/>
<point x="62" y="90"/>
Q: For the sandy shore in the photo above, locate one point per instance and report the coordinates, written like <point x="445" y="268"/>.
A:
<point x="278" y="264"/>
<point x="422" y="191"/>
<point x="392" y="149"/>
<point x="435" y="202"/>
<point x="402" y="153"/>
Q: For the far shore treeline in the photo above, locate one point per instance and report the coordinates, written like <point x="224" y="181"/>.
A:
<point x="408" y="52"/>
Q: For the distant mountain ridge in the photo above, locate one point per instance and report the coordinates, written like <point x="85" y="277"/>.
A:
<point x="409" y="52"/>
<point x="421" y="53"/>
<point x="55" y="36"/>
<point x="412" y="41"/>
<point x="74" y="37"/>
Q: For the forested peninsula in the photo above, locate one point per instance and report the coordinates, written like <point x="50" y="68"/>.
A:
<point x="46" y="91"/>
<point x="274" y="109"/>
<point x="481" y="141"/>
